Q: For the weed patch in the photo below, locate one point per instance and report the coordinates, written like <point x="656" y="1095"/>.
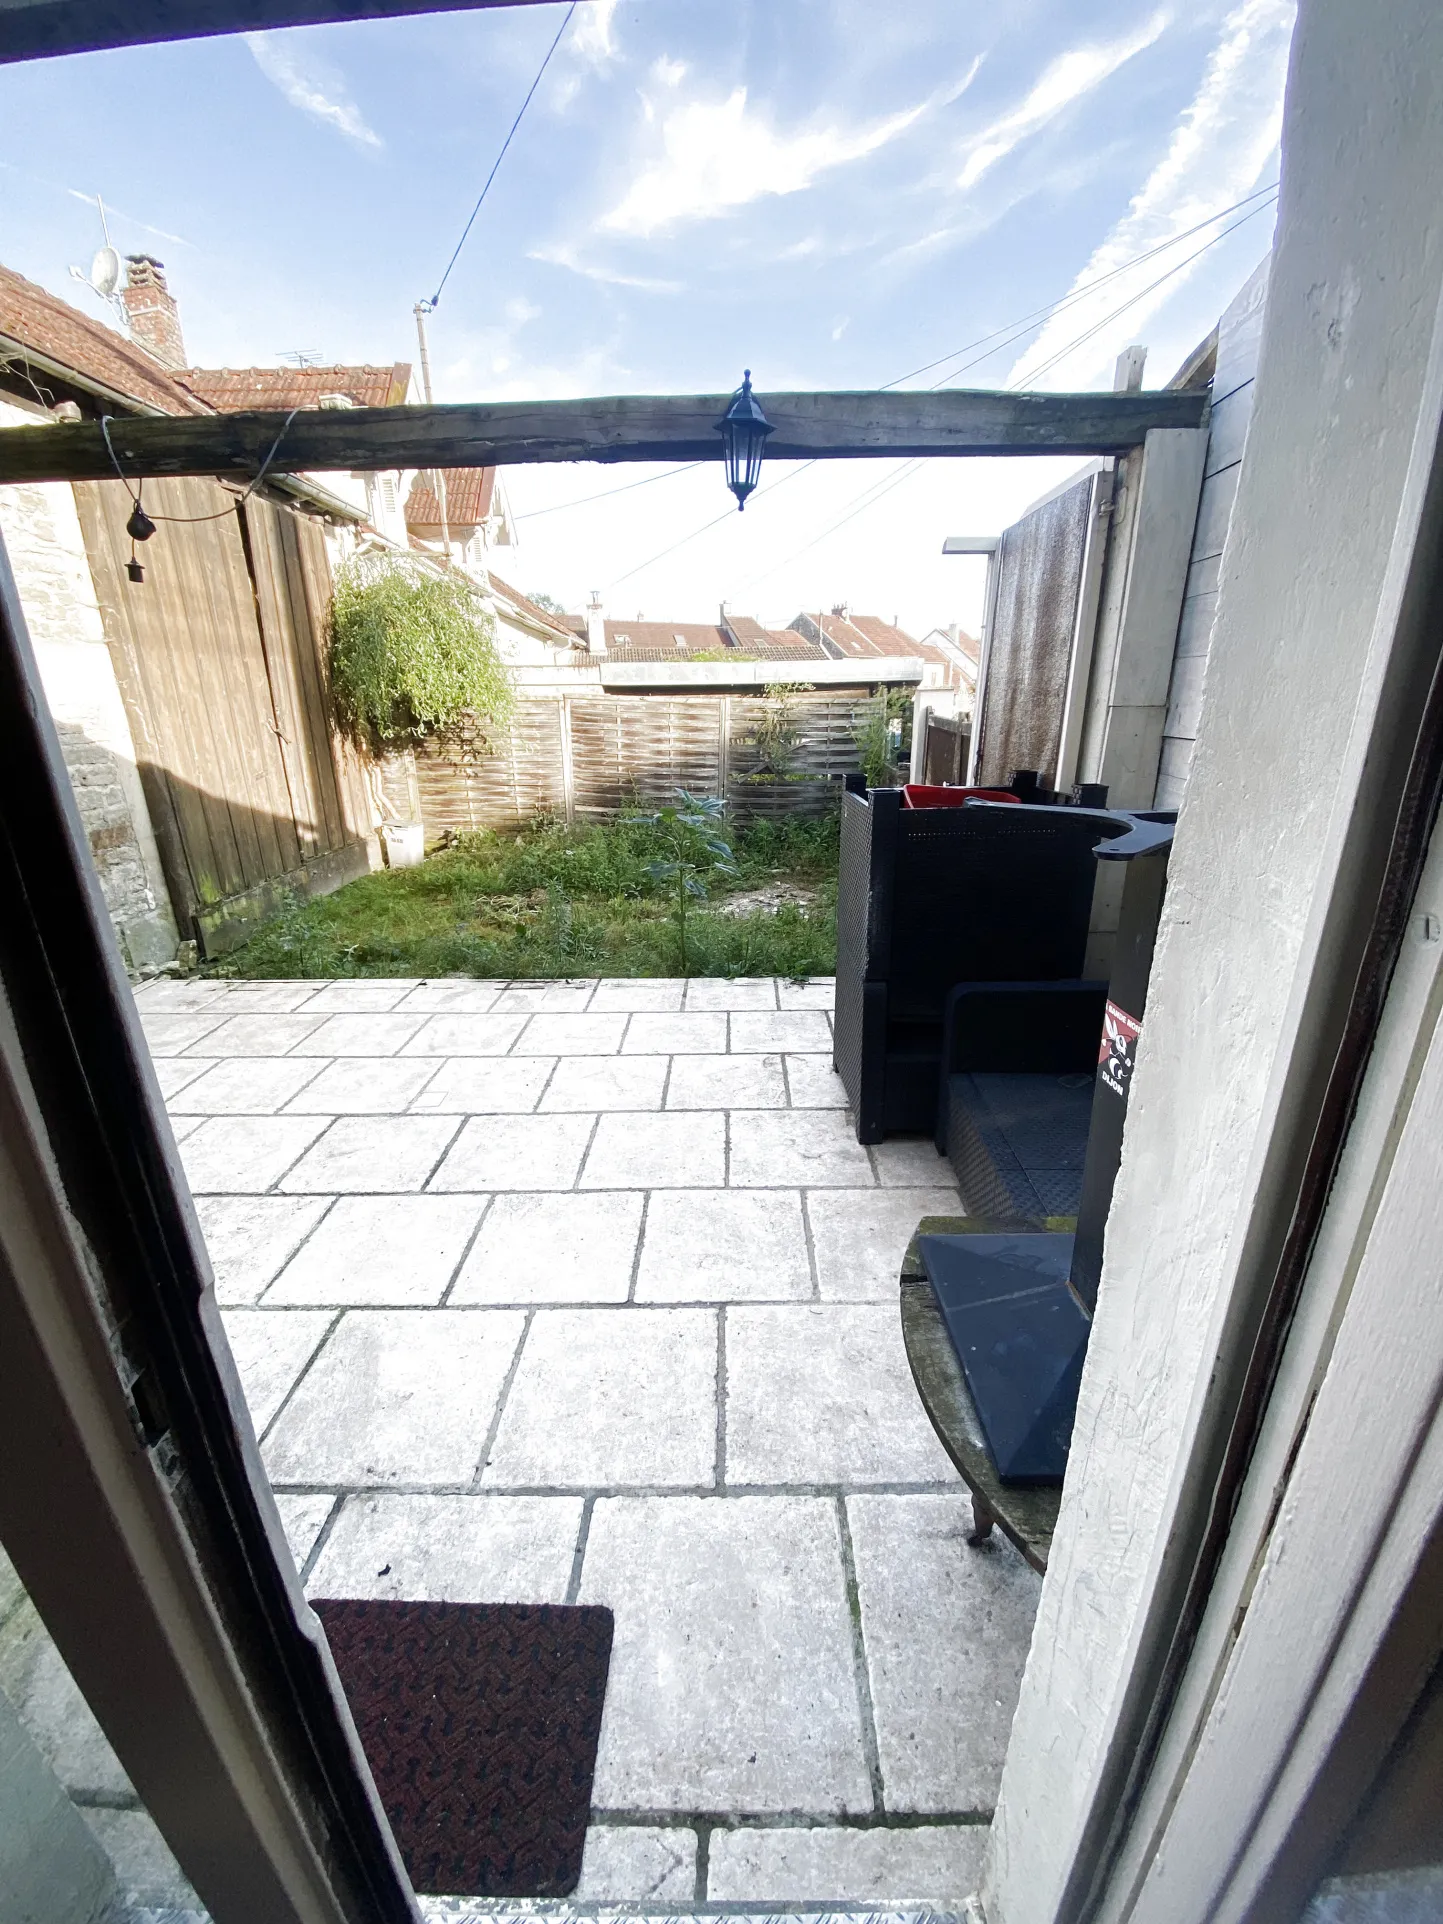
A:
<point x="553" y="901"/>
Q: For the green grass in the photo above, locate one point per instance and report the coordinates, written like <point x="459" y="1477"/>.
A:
<point x="554" y="901"/>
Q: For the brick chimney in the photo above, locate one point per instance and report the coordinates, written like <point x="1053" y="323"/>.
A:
<point x="151" y="310"/>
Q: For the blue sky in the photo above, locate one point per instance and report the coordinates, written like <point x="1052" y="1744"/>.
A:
<point x="830" y="192"/>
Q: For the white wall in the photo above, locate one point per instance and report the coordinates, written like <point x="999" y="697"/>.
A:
<point x="1257" y="872"/>
<point x="47" y="553"/>
<point x="1240" y="333"/>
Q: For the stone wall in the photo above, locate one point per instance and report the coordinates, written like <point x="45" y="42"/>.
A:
<point x="43" y="539"/>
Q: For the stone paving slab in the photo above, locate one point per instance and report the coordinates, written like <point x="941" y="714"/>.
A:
<point x="698" y="1033"/>
<point x="798" y="1030"/>
<point x="270" y="1352"/>
<point x="379" y="1252"/>
<point x="589" y="1084"/>
<point x="790" y="1148"/>
<point x="516" y="1152"/>
<point x="258" y="1034"/>
<point x="669" y="1151"/>
<point x="401" y="1396"/>
<point x="359" y="1035"/>
<point x="608" y="1397"/>
<point x="947" y="1628"/>
<point x="720" y="992"/>
<point x="302" y="1519"/>
<point x="362" y="1086"/>
<point x="451" y="1549"/>
<point x="466" y="1035"/>
<point x="487" y="1299"/>
<point x="245" y="1086"/>
<point x="466" y="997"/>
<point x="369" y="1155"/>
<point x="250" y="1238"/>
<point x="245" y="1155"/>
<point x="724" y="1246"/>
<point x="638" y="1863"/>
<point x="860" y="1235"/>
<point x="732" y="1682"/>
<point x="824" y="1395"/>
<point x="813" y="1083"/>
<point x="553" y="1249"/>
<point x="930" y="1862"/>
<point x="483" y="1085"/>
<point x="726" y="1082"/>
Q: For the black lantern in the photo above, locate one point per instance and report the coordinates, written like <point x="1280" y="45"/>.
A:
<point x="744" y="430"/>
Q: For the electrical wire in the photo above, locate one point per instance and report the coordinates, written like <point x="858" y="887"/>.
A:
<point x="190" y="519"/>
<point x="909" y="468"/>
<point x="586" y="500"/>
<point x="496" y="167"/>
<point x="1014" y="330"/>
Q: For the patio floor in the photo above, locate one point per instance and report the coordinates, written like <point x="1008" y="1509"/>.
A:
<point x="586" y="1292"/>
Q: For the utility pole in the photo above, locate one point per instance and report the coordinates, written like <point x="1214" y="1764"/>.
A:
<point x="438" y="479"/>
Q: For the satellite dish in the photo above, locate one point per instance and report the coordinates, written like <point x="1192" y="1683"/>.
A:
<point x="105" y="271"/>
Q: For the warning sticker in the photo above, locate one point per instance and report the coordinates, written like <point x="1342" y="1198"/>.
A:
<point x="1119" y="1048"/>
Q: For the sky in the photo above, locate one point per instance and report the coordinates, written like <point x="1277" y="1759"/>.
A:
<point x="831" y="193"/>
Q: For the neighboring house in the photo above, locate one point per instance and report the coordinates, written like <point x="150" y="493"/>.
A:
<point x="235" y="390"/>
<point x="843" y="636"/>
<point x="477" y="517"/>
<point x="731" y="638"/>
<point x="190" y="705"/>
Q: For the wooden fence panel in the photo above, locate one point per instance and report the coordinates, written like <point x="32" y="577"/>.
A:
<point x="231" y="723"/>
<point x="464" y="788"/>
<point x="292" y="584"/>
<point x="641" y="749"/>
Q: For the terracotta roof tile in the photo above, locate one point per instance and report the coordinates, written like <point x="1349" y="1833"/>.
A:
<point x="469" y="495"/>
<point x="236" y="390"/>
<point x="97" y="355"/>
<point x="659" y="641"/>
<point x="561" y="623"/>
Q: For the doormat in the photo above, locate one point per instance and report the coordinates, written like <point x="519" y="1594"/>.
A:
<point x="480" y="1723"/>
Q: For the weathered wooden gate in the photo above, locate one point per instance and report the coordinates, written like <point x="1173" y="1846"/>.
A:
<point x="221" y="666"/>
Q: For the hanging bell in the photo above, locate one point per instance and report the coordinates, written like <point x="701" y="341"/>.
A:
<point x="134" y="569"/>
<point x="140" y="527"/>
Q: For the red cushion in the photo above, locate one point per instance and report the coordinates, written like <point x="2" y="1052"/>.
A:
<point x="929" y="795"/>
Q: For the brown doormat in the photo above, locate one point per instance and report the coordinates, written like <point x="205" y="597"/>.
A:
<point x="480" y="1723"/>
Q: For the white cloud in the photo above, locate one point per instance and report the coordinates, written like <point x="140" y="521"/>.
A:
<point x="567" y="257"/>
<point x="670" y="73"/>
<point x="593" y="38"/>
<point x="321" y="91"/>
<point x="1218" y="151"/>
<point x="720" y="155"/>
<point x="1065" y="81"/>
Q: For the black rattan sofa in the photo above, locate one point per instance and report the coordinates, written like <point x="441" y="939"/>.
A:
<point x="928" y="898"/>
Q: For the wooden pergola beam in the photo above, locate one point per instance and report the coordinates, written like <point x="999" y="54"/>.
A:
<point x="639" y="427"/>
<point x="38" y="29"/>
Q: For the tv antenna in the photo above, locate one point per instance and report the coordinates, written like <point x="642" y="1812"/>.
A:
<point x="103" y="280"/>
<point x="302" y="356"/>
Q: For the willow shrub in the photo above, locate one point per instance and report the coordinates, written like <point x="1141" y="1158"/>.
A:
<point x="412" y="650"/>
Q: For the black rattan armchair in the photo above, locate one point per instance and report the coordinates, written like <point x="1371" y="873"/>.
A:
<point x="928" y="898"/>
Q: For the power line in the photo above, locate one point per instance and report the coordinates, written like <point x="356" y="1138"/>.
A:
<point x="1053" y="308"/>
<point x="560" y="507"/>
<point x="435" y="298"/>
<point x="909" y="468"/>
<point x="1014" y="330"/>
